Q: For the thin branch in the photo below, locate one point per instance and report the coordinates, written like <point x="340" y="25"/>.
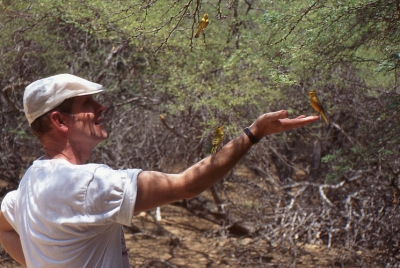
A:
<point x="8" y="88"/>
<point x="162" y="117"/>
<point x="156" y="101"/>
<point x="183" y="11"/>
<point x="297" y="23"/>
<point x="111" y="55"/>
<point x="343" y="132"/>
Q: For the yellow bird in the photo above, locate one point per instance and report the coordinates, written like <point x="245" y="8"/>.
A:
<point x="217" y="140"/>
<point x="316" y="104"/>
<point x="202" y="25"/>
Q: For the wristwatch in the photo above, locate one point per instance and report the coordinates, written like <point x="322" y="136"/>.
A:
<point x="252" y="138"/>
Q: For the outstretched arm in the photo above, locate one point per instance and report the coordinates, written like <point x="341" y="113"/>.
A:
<point x="157" y="188"/>
<point x="10" y="241"/>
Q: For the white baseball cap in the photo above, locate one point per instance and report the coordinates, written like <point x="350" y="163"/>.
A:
<point x="46" y="94"/>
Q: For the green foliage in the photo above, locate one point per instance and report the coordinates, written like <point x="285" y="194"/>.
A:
<point x="17" y="132"/>
<point x="253" y="58"/>
<point x="340" y="164"/>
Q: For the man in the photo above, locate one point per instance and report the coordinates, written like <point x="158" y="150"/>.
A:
<point x="67" y="213"/>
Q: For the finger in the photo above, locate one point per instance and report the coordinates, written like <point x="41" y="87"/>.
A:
<point x="308" y="120"/>
<point x="273" y="116"/>
<point x="298" y="122"/>
<point x="300" y="117"/>
<point x="311" y="118"/>
<point x="282" y="114"/>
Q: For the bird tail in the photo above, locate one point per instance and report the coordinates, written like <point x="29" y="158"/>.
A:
<point x="326" y="119"/>
<point x="214" y="149"/>
<point x="197" y="34"/>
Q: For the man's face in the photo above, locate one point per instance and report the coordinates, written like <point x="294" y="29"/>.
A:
<point x="87" y="128"/>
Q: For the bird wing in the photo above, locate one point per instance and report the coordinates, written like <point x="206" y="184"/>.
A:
<point x="202" y="25"/>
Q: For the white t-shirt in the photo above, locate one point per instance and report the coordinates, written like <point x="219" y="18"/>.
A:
<point x="72" y="215"/>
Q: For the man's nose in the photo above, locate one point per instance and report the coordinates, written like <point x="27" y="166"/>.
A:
<point x="99" y="107"/>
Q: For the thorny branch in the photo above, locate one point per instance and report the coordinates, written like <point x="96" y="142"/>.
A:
<point x="162" y="118"/>
<point x="329" y="214"/>
<point x="182" y="13"/>
<point x="5" y="91"/>
<point x="297" y="22"/>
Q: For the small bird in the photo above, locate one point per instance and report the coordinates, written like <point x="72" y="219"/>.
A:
<point x="202" y="25"/>
<point x="316" y="104"/>
<point x="217" y="140"/>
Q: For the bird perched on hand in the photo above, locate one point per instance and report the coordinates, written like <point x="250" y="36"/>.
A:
<point x="202" y="25"/>
<point x="217" y="140"/>
<point x="316" y="104"/>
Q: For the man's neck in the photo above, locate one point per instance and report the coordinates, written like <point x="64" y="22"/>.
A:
<point x="75" y="157"/>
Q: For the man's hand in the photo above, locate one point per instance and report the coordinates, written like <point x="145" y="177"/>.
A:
<point x="277" y="122"/>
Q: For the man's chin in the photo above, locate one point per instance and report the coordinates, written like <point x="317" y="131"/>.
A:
<point x="105" y="135"/>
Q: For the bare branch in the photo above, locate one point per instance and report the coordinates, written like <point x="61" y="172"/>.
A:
<point x="162" y="117"/>
<point x="343" y="132"/>
<point x="11" y="87"/>
<point x="297" y="22"/>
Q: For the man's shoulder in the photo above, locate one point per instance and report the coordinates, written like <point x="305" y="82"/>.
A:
<point x="64" y="164"/>
<point x="92" y="170"/>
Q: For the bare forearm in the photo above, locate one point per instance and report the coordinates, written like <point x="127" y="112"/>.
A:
<point x="157" y="188"/>
<point x="11" y="242"/>
<point x="203" y="174"/>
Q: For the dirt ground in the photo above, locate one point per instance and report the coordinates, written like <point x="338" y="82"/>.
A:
<point x="184" y="240"/>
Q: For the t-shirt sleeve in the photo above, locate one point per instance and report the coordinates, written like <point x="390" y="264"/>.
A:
<point x="111" y="195"/>
<point x="8" y="208"/>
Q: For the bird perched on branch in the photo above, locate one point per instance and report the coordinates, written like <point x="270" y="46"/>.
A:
<point x="316" y="104"/>
<point x="202" y="25"/>
<point x="217" y="140"/>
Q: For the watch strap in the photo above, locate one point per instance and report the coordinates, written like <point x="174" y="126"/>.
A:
<point x="252" y="138"/>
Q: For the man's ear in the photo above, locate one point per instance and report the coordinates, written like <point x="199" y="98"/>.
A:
<point x="59" y="120"/>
